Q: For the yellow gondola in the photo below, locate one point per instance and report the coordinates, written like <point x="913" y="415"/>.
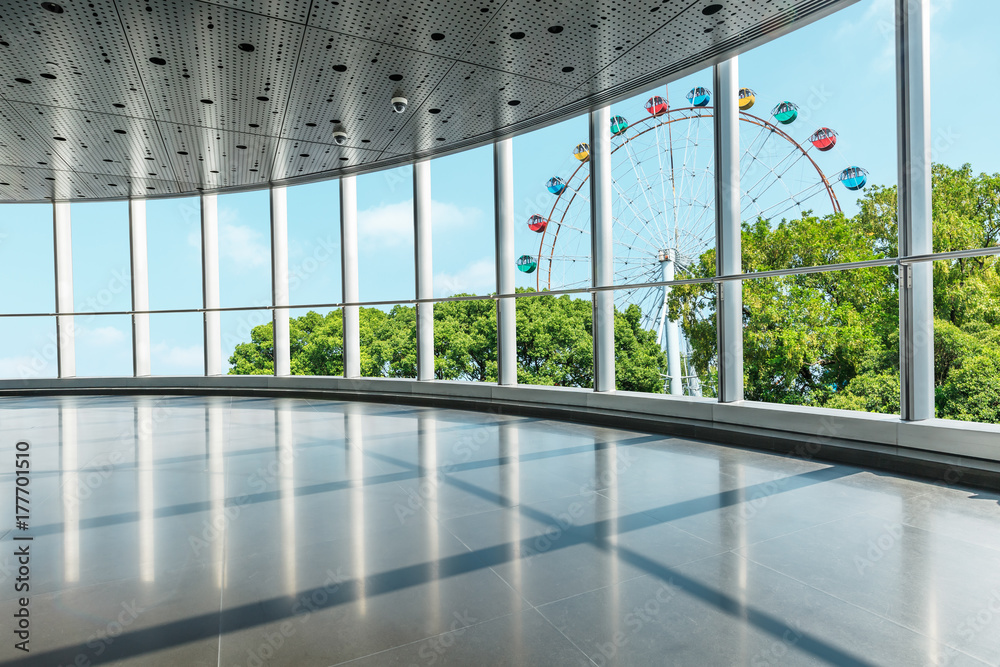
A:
<point x="747" y="99"/>
<point x="582" y="152"/>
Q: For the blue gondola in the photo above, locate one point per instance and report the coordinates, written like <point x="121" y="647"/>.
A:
<point x="555" y="185"/>
<point x="700" y="96"/>
<point x="854" y="178"/>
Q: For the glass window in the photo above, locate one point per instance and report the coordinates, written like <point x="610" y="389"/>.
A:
<point x="385" y="235"/>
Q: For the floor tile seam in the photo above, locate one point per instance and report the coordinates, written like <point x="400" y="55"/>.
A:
<point x="571" y="642"/>
<point x="594" y="590"/>
<point x="463" y="629"/>
<point x="856" y="606"/>
<point x="939" y="534"/>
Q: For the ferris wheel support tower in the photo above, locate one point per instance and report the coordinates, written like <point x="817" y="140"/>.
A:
<point x="668" y="330"/>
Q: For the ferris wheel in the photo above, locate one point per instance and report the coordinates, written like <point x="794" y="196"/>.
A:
<point x="663" y="203"/>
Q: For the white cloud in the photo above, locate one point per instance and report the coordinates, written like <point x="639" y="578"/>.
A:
<point x="477" y="277"/>
<point x="176" y="359"/>
<point x="244" y="246"/>
<point x="392" y="224"/>
<point x="27" y="367"/>
<point x="101" y="336"/>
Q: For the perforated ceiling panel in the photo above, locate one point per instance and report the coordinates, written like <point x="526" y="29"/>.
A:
<point x="107" y="99"/>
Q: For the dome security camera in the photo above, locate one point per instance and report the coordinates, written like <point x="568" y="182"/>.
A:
<point x="399" y="104"/>
<point x="340" y="137"/>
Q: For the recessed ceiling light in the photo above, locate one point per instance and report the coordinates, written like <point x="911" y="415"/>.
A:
<point x="263" y="98"/>
<point x="711" y="9"/>
<point x="517" y="35"/>
<point x="207" y="101"/>
<point x="158" y="61"/>
<point x="248" y="48"/>
<point x="437" y="36"/>
<point x="340" y="68"/>
<point x="556" y="29"/>
<point x="52" y="7"/>
<point x="23" y="80"/>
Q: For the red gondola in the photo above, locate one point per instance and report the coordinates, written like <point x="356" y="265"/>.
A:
<point x="824" y="139"/>
<point x="657" y="106"/>
<point x="537" y="223"/>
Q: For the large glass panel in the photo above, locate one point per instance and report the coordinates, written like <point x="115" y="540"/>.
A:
<point x="555" y="344"/>
<point x="26" y="261"/>
<point x="465" y="340"/>
<point x="244" y="265"/>
<point x="966" y="196"/>
<point x="818" y="168"/>
<point x="317" y="342"/>
<point x="314" y="243"/>
<point x="823" y="339"/>
<point x="389" y="341"/>
<point x="549" y="180"/>
<point x="104" y="345"/>
<point x="173" y="236"/>
<point x="385" y="235"/>
<point x="29" y="347"/>
<point x="966" y="177"/>
<point x="102" y="282"/>
<point x="463" y="231"/>
<point x="177" y="344"/>
<point x="248" y="342"/>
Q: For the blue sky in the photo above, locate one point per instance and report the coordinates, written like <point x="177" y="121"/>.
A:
<point x="840" y="71"/>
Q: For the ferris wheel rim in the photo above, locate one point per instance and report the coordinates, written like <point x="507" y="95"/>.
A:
<point x="698" y="112"/>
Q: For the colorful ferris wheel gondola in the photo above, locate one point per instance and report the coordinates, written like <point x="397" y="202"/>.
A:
<point x="824" y="139"/>
<point x="555" y="185"/>
<point x="618" y="125"/>
<point x="657" y="106"/>
<point x="785" y="113"/>
<point x="582" y="152"/>
<point x="537" y="223"/>
<point x="747" y="99"/>
<point x="854" y="178"/>
<point x="700" y="96"/>
<point x="526" y="264"/>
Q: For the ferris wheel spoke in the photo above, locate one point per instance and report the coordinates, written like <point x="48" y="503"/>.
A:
<point x="636" y="167"/>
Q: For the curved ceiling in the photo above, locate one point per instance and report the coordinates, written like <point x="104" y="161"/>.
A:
<point x="110" y="99"/>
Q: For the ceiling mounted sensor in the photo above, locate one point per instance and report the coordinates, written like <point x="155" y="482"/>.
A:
<point x="339" y="137"/>
<point x="52" y="7"/>
<point x="399" y="104"/>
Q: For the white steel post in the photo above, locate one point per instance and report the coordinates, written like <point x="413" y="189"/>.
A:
<point x="140" y="286"/>
<point x="602" y="250"/>
<point x="210" y="283"/>
<point x="279" y="280"/>
<point x="916" y="225"/>
<point x="503" y="198"/>
<point x="671" y="330"/>
<point x="424" y="268"/>
<point x="349" y="275"/>
<point x="728" y="232"/>
<point x="62" y="236"/>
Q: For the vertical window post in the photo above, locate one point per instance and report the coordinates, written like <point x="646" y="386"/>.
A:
<point x="602" y="249"/>
<point x="728" y="231"/>
<point x="916" y="225"/>
<point x="349" y="275"/>
<point x="424" y="268"/>
<point x="62" y="235"/>
<point x="503" y="204"/>
<point x="140" y="287"/>
<point x="210" y="283"/>
<point x="279" y="280"/>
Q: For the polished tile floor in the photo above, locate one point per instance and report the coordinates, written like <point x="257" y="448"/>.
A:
<point x="242" y="531"/>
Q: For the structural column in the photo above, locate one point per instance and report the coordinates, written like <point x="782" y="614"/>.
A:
<point x="279" y="280"/>
<point x="602" y="249"/>
<point x="140" y="286"/>
<point x="503" y="201"/>
<point x="425" y="268"/>
<point x="210" y="283"/>
<point x="916" y="225"/>
<point x="349" y="275"/>
<point x="729" y="251"/>
<point x="62" y="236"/>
